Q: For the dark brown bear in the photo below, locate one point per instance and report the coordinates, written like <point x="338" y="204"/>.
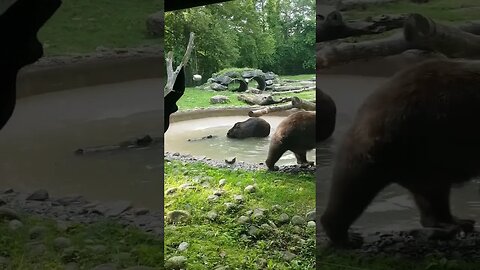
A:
<point x="252" y="127"/>
<point x="419" y="130"/>
<point x="295" y="133"/>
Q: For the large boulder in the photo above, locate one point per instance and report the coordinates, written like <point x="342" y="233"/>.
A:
<point x="155" y="24"/>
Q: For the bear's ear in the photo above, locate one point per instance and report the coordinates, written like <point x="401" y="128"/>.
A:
<point x="179" y="85"/>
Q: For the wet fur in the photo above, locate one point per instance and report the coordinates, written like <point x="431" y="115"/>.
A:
<point x="252" y="127"/>
<point x="419" y="130"/>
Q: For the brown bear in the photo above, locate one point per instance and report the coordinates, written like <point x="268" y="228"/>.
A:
<point x="295" y="133"/>
<point x="252" y="127"/>
<point x="418" y="130"/>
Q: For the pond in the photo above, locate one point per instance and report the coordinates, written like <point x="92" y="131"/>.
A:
<point x="37" y="145"/>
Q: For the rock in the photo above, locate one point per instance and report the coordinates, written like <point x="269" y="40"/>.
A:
<point x="36" y="249"/>
<point x="311" y="216"/>
<point x="238" y="198"/>
<point x="219" y="99"/>
<point x="283" y="219"/>
<point x="15" y="224"/>
<point x="2" y="202"/>
<point x="183" y="246"/>
<point x="219" y="192"/>
<point x="4" y="262"/>
<point x="71" y="266"/>
<point x="262" y="263"/>
<point x="212" y="198"/>
<point x="218" y="87"/>
<point x="65" y="201"/>
<point x="243" y="220"/>
<point x="97" y="248"/>
<point x="297" y="230"/>
<point x="212" y="215"/>
<point x="276" y="208"/>
<point x="311" y="224"/>
<point x="155" y="24"/>
<point x="288" y="256"/>
<point x="298" y="220"/>
<point x="63" y="226"/>
<point x="37" y="232"/>
<point x="254" y="231"/>
<point x="258" y="214"/>
<point x="171" y="191"/>
<point x="186" y="186"/>
<point x="39" y="195"/>
<point x="106" y="266"/>
<point x="230" y="207"/>
<point x="222" y="182"/>
<point x="230" y="160"/>
<point x="113" y="209"/>
<point x="250" y="189"/>
<point x="61" y="243"/>
<point x="266" y="227"/>
<point x="176" y="263"/>
<point x="177" y="216"/>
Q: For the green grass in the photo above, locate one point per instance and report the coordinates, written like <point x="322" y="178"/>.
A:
<point x="342" y="260"/>
<point x="143" y="249"/>
<point x="195" y="98"/>
<point x="220" y="242"/>
<point x="443" y="10"/>
<point x="80" y="26"/>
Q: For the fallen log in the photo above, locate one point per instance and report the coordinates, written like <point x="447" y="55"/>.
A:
<point x="137" y="143"/>
<point x="421" y="31"/>
<point x="296" y="103"/>
<point x="293" y="91"/>
<point x="291" y="88"/>
<point x="332" y="54"/>
<point x="334" y="27"/>
<point x="259" y="99"/>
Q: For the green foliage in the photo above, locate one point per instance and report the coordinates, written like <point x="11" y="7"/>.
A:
<point x="272" y="35"/>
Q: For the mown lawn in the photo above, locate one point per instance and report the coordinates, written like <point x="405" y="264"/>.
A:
<point x="223" y="241"/>
<point x="91" y="245"/>
<point x="80" y="26"/>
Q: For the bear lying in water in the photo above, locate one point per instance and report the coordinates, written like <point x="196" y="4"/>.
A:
<point x="252" y="127"/>
<point x="419" y="130"/>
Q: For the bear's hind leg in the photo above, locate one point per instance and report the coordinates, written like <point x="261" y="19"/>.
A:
<point x="302" y="159"/>
<point x="434" y="206"/>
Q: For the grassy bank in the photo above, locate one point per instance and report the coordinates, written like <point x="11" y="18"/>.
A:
<point x="329" y="259"/>
<point x="443" y="10"/>
<point x="80" y="26"/>
<point x="224" y="240"/>
<point x="36" y="245"/>
<point x="199" y="98"/>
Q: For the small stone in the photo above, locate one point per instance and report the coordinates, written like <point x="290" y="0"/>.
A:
<point x="276" y="208"/>
<point x="243" y="220"/>
<point x="258" y="214"/>
<point x="212" y="198"/>
<point x="298" y="220"/>
<point x="311" y="224"/>
<point x="183" y="246"/>
<point x="222" y="182"/>
<point x="297" y="230"/>
<point x="176" y="263"/>
<point x="177" y="216"/>
<point x="219" y="192"/>
<point x="36" y="250"/>
<point x="61" y="243"/>
<point x="311" y="216"/>
<point x="186" y="186"/>
<point x="97" y="248"/>
<point x="288" y="256"/>
<point x="15" y="224"/>
<point x="71" y="266"/>
<point x="37" y="232"/>
<point x="254" y="231"/>
<point x="265" y="227"/>
<point x="230" y="160"/>
<point x="230" y="206"/>
<point x="250" y="189"/>
<point x="171" y="190"/>
<point x="283" y="219"/>
<point x="39" y="195"/>
<point x="238" y="198"/>
<point x="212" y="215"/>
<point x="4" y="262"/>
<point x="8" y="214"/>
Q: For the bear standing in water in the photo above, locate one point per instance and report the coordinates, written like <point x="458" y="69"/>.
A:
<point x="419" y="130"/>
<point x="252" y="127"/>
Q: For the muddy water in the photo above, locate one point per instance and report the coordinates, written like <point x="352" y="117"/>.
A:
<point x="37" y="145"/>
<point x="393" y="209"/>
<point x="252" y="150"/>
